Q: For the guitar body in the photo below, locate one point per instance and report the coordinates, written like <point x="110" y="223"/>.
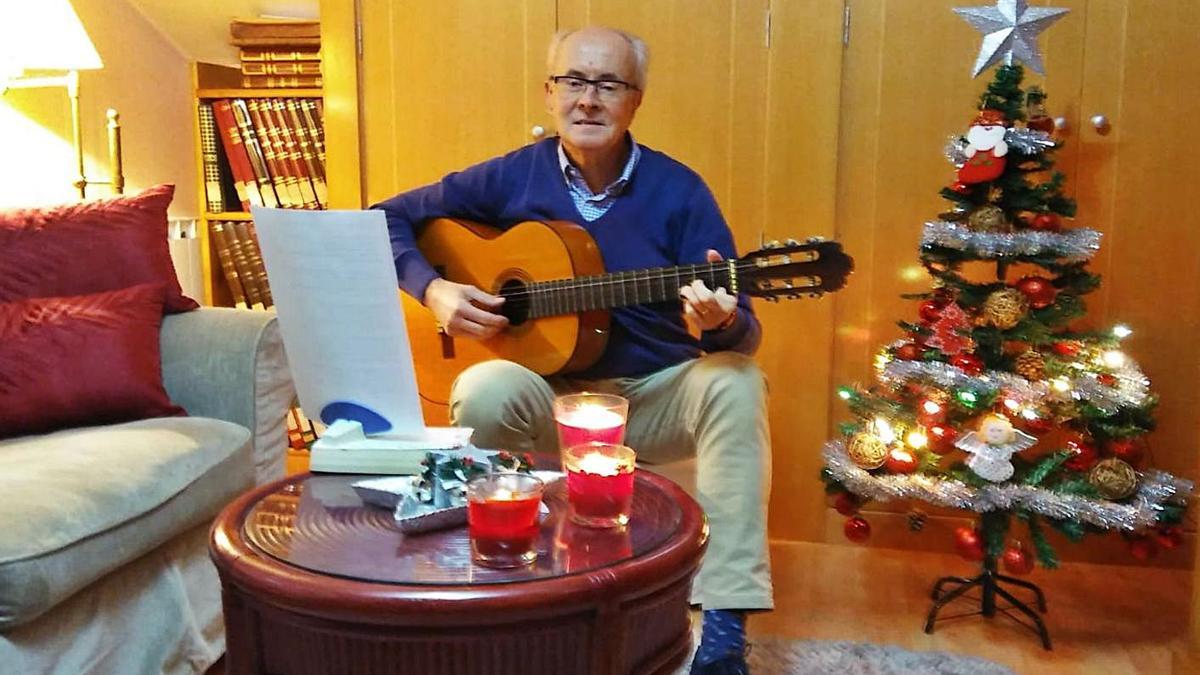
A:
<point x="489" y="258"/>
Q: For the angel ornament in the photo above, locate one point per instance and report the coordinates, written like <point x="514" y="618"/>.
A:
<point x="992" y="447"/>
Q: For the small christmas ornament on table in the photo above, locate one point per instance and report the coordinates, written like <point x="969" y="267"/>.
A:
<point x="993" y="446"/>
<point x="437" y="499"/>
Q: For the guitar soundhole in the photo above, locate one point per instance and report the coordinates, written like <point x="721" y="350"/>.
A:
<point x="516" y="307"/>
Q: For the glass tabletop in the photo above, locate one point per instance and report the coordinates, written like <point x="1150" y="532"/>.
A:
<point x="320" y="524"/>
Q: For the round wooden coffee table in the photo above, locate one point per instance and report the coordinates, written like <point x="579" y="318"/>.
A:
<point x="314" y="581"/>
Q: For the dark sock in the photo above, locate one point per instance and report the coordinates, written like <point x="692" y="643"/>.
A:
<point x="724" y="635"/>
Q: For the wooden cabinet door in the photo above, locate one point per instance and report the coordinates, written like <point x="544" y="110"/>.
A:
<point x="447" y="84"/>
<point x="746" y="93"/>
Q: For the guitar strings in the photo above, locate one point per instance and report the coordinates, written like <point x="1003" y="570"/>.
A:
<point x="576" y="284"/>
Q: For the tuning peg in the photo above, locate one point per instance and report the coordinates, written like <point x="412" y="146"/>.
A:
<point x="792" y="242"/>
<point x="774" y="243"/>
<point x="815" y="240"/>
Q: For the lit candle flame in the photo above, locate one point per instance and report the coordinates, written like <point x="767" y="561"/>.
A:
<point x="600" y="464"/>
<point x="592" y="416"/>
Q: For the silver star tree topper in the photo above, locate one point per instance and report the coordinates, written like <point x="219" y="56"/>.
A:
<point x="1010" y="31"/>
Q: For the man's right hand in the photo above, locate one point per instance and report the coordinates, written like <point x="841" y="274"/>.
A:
<point x="463" y="310"/>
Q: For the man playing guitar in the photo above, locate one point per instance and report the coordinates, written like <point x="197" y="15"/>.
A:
<point x="700" y="396"/>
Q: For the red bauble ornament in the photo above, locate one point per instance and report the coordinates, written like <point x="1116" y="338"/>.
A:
<point x="1169" y="537"/>
<point x="968" y="543"/>
<point x="1039" y="290"/>
<point x="857" y="529"/>
<point x="1126" y="449"/>
<point x="900" y="460"/>
<point x="968" y="363"/>
<point x="1046" y="222"/>
<point x="941" y="438"/>
<point x="1085" y="455"/>
<point x="961" y="188"/>
<point x="1037" y="425"/>
<point x="1017" y="560"/>
<point x="930" y="311"/>
<point x="1143" y="548"/>
<point x="908" y="352"/>
<point x="1107" y="379"/>
<point x="1067" y="348"/>
<point x="846" y="503"/>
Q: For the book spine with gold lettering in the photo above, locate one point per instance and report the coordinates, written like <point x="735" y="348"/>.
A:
<point x="289" y="148"/>
<point x="244" y="179"/>
<point x="254" y="151"/>
<point x="281" y="180"/>
<point x="248" y="238"/>
<point x="220" y="243"/>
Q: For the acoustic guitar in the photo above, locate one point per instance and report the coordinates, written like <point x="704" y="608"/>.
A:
<point x="557" y="293"/>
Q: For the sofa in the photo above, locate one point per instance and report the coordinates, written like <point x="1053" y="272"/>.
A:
<point x="104" y="563"/>
<point x="129" y="416"/>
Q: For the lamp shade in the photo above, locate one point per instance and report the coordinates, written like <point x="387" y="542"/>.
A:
<point x="44" y="35"/>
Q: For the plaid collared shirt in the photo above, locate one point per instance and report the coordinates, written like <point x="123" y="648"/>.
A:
<point x="589" y="204"/>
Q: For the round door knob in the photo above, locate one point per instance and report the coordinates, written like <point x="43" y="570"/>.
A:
<point x="1101" y="124"/>
<point x="1061" y="123"/>
<point x="537" y="131"/>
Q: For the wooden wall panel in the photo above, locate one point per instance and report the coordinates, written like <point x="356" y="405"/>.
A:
<point x="446" y="85"/>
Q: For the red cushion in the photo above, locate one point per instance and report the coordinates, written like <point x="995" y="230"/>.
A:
<point x="89" y="247"/>
<point x="82" y="360"/>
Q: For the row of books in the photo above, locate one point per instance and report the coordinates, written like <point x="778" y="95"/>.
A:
<point x="236" y="246"/>
<point x="295" y="66"/>
<point x="278" y="53"/>
<point x="263" y="151"/>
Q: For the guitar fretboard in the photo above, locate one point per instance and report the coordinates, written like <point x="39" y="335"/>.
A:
<point x="618" y="289"/>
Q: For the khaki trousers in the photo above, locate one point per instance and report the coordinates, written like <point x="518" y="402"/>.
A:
<point x="713" y="408"/>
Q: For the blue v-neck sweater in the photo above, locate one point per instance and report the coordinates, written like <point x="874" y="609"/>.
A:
<point x="665" y="216"/>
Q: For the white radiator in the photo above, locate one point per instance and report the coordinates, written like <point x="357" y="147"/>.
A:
<point x="185" y="254"/>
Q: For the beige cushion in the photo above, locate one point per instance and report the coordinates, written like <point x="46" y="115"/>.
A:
<point x="79" y="503"/>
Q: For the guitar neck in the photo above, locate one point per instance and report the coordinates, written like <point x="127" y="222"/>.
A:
<point x="620" y="289"/>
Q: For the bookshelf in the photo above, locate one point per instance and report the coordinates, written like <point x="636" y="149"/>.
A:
<point x="285" y="175"/>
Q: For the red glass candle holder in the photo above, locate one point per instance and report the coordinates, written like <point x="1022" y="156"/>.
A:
<point x="599" y="483"/>
<point x="502" y="519"/>
<point x="586" y="418"/>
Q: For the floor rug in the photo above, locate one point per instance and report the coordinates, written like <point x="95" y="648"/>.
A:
<point x="774" y="656"/>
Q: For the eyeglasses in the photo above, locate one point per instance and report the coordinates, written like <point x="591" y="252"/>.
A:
<point x="605" y="89"/>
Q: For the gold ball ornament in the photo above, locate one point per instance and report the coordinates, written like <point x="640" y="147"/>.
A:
<point x="867" y="451"/>
<point x="1005" y="308"/>
<point x="988" y="218"/>
<point x="1113" y="478"/>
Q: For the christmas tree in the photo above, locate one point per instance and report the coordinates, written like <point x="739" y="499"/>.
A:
<point x="998" y="399"/>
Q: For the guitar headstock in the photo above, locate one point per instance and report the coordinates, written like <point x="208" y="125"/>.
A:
<point x="794" y="269"/>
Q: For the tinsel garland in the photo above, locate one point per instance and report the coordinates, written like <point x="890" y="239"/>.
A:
<point x="1074" y="245"/>
<point x="1132" y="388"/>
<point x="1155" y="489"/>
<point x="1026" y="141"/>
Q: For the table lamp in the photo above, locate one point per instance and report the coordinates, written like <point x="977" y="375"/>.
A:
<point x="43" y="44"/>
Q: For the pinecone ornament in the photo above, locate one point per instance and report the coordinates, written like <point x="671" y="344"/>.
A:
<point x="1031" y="365"/>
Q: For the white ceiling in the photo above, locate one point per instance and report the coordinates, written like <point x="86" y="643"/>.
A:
<point x="200" y="30"/>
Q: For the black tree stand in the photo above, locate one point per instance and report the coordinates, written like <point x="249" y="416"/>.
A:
<point x="989" y="586"/>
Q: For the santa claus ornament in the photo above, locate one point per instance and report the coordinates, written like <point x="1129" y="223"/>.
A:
<point x="986" y="148"/>
<point x="992" y="447"/>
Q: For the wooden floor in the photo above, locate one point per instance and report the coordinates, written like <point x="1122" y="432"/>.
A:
<point x="1102" y="619"/>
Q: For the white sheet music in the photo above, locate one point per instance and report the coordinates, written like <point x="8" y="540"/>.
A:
<point x="335" y="291"/>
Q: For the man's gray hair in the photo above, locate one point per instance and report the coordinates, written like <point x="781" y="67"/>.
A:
<point x="641" y="53"/>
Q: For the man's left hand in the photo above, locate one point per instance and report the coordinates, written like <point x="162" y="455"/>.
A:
<point x="706" y="309"/>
